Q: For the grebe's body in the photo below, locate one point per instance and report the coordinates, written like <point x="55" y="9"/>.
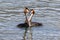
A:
<point x="22" y="25"/>
<point x="33" y="24"/>
<point x="28" y="21"/>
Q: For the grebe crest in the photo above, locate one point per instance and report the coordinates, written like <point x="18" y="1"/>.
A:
<point x="32" y="11"/>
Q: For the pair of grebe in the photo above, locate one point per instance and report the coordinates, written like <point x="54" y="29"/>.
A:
<point x="28" y="21"/>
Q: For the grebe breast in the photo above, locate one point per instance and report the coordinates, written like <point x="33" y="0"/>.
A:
<point x="35" y="24"/>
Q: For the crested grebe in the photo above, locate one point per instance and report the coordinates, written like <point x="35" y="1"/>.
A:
<point x="30" y="18"/>
<point x="26" y="11"/>
<point x="25" y="24"/>
<point x="28" y="21"/>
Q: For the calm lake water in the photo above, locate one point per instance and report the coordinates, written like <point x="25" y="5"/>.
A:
<point x="47" y="12"/>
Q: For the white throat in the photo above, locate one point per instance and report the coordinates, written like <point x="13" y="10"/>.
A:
<point x="29" y="22"/>
<point x="30" y="17"/>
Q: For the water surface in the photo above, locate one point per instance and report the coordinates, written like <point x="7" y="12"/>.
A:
<point x="47" y="12"/>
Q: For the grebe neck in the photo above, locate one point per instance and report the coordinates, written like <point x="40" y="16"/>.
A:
<point x="26" y="20"/>
<point x="29" y="20"/>
<point x="30" y="17"/>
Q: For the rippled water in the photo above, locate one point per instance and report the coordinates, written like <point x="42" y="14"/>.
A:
<point x="47" y="13"/>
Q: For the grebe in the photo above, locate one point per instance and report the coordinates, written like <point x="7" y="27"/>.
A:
<point x="25" y="24"/>
<point x="30" y="18"/>
<point x="26" y="11"/>
<point x="28" y="21"/>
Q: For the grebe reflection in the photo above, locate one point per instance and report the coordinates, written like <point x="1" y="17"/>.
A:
<point x="29" y="20"/>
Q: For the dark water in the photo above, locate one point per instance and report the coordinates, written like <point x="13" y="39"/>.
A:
<point x="47" y="13"/>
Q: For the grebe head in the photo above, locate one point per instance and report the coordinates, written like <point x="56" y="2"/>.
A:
<point x="32" y="11"/>
<point x="26" y="10"/>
